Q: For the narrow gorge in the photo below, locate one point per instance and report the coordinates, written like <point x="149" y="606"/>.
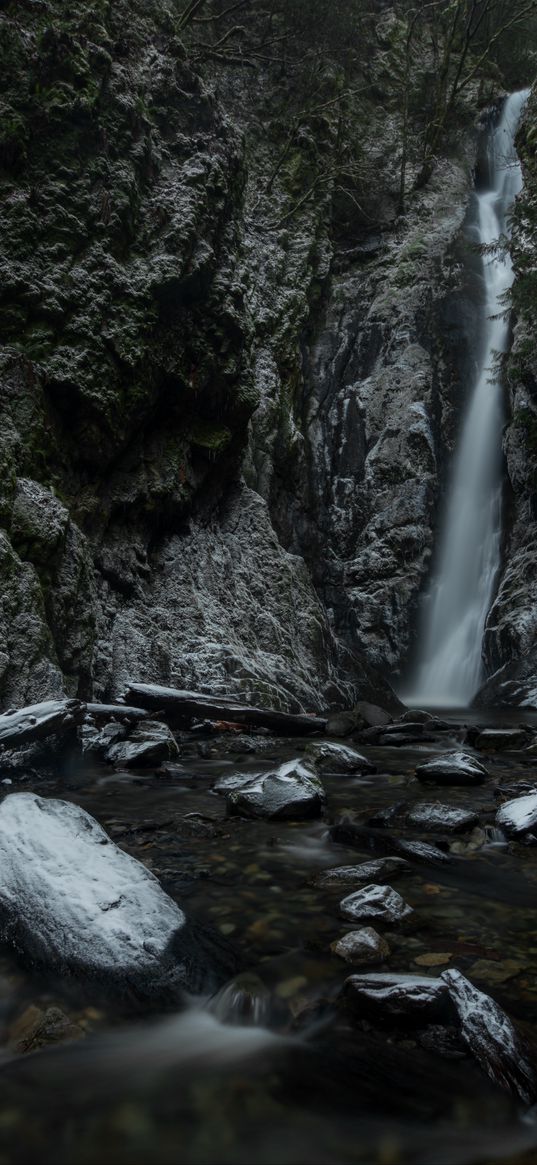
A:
<point x="268" y="582"/>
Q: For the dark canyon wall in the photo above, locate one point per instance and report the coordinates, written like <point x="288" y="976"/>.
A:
<point x="226" y="407"/>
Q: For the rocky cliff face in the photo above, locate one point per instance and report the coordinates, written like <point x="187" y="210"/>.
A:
<point x="511" y="635"/>
<point x="225" y="407"/>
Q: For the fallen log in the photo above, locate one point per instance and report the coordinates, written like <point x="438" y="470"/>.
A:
<point x="176" y="705"/>
<point x="117" y="712"/>
<point x="37" y="721"/>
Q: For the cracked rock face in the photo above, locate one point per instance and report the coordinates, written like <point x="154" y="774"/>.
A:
<point x="161" y="339"/>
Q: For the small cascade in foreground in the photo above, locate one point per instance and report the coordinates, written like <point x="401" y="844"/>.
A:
<point x="450" y="669"/>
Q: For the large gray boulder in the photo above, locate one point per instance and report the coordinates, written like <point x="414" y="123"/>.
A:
<point x="453" y="768"/>
<point x="291" y="791"/>
<point x="73" y="902"/>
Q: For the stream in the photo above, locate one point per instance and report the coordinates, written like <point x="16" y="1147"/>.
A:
<point x="273" y="1070"/>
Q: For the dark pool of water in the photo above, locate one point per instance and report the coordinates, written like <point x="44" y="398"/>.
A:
<point x="314" y="1087"/>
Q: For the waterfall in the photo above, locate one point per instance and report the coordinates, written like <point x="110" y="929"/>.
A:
<point x="450" y="669"/>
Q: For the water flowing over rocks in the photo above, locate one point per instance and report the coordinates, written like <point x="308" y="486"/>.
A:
<point x="73" y="902"/>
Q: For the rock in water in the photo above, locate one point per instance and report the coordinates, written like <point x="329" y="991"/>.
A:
<point x="454" y="768"/>
<point x="375" y="902"/>
<point x="292" y="791"/>
<point x="436" y="816"/>
<point x="492" y="1038"/>
<point x="362" y="946"/>
<point x="518" y="816"/>
<point x="378" y="870"/>
<point x="338" y="758"/>
<point x="150" y="743"/>
<point x="502" y="739"/>
<point x="404" y="997"/>
<point x="71" y="901"/>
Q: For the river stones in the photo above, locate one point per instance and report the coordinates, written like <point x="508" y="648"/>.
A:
<point x="518" y="817"/>
<point x="492" y="1038"/>
<point x="385" y="996"/>
<point x="501" y="739"/>
<point x="375" y="902"/>
<point x="73" y="902"/>
<point x="150" y="743"/>
<point x="453" y="768"/>
<point x="436" y="816"/>
<point x="362" y="946"/>
<point x="377" y="870"/>
<point x="293" y="791"/>
<point x="338" y="758"/>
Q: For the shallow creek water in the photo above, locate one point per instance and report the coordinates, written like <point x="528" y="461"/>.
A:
<point x="309" y="1084"/>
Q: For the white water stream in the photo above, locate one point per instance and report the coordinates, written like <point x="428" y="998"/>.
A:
<point x="450" y="668"/>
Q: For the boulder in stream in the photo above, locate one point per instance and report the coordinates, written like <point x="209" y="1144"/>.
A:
<point x="362" y="946"/>
<point x="338" y="758"/>
<point x="453" y="768"/>
<point x="375" y="902"/>
<point x="406" y="998"/>
<point x="293" y="791"/>
<point x="501" y="739"/>
<point x="437" y="817"/>
<point x="377" y="870"/>
<point x="73" y="902"/>
<point x="492" y="1038"/>
<point x="519" y="816"/>
<point x="150" y="743"/>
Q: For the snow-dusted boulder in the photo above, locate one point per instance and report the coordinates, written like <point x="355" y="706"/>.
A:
<point x="519" y="816"/>
<point x="291" y="791"/>
<point x="72" y="901"/>
<point x="150" y="743"/>
<point x="438" y="817"/>
<point x="453" y="768"/>
<point x="338" y="758"/>
<point x="375" y="902"/>
<point x="492" y="1038"/>
<point x="362" y="946"/>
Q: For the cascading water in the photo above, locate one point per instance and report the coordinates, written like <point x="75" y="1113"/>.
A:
<point x="449" y="671"/>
